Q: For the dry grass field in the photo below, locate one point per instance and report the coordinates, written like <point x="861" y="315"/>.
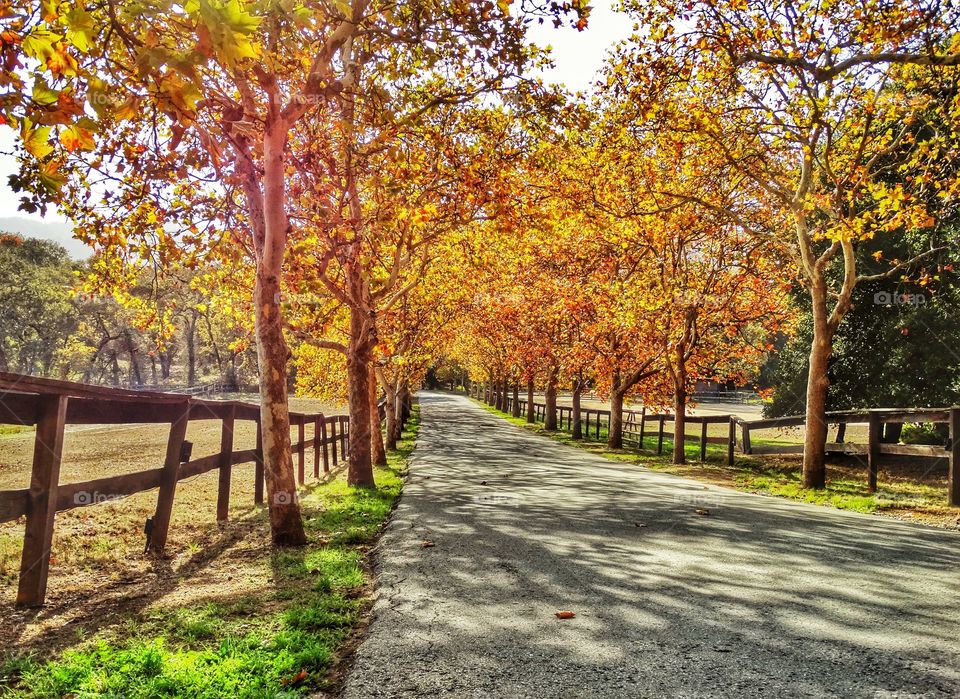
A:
<point x="98" y="567"/>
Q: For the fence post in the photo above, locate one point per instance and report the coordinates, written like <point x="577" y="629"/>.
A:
<point x="317" y="445"/>
<point x="301" y="450"/>
<point x="168" y="481"/>
<point x="333" y="439"/>
<point x="258" y="466"/>
<point x="643" y="424"/>
<point x="953" y="479"/>
<point x="225" y="466"/>
<point x="745" y="430"/>
<point x="703" y="439"/>
<point x="731" y="440"/>
<point x="660" y="435"/>
<point x="875" y="427"/>
<point x="44" y="482"/>
<point x="344" y="435"/>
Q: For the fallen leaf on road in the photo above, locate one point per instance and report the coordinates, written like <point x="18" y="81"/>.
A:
<point x="639" y="524"/>
<point x="427" y="544"/>
<point x="702" y="511"/>
<point x="564" y="615"/>
<point x="483" y="482"/>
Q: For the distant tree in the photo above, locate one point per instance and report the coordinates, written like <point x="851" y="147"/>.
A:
<point x="37" y="308"/>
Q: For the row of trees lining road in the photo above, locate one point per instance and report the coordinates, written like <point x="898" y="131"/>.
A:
<point x="175" y="334"/>
<point x="184" y="133"/>
<point x="386" y="184"/>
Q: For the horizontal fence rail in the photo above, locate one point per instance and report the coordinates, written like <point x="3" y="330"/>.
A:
<point x="51" y="405"/>
<point x="639" y="426"/>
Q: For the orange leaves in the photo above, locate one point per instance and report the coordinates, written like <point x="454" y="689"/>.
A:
<point x="564" y="614"/>
<point x="75" y="138"/>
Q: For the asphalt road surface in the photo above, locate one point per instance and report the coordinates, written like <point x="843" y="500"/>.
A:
<point x="759" y="598"/>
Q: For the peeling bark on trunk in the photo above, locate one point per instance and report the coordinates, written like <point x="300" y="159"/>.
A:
<point x="576" y="421"/>
<point x="378" y="452"/>
<point x="360" y="470"/>
<point x="550" y="412"/>
<point x="814" y="446"/>
<point x="615" y="433"/>
<point x="286" y="525"/>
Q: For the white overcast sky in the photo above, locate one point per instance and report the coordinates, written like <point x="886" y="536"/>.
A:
<point x="577" y="55"/>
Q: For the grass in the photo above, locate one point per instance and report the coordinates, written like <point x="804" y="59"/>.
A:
<point x="281" y="644"/>
<point x="15" y="429"/>
<point x="902" y="492"/>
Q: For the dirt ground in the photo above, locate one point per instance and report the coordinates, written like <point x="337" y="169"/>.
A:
<point x="98" y="568"/>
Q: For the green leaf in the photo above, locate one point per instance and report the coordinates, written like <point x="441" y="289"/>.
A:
<point x="43" y="94"/>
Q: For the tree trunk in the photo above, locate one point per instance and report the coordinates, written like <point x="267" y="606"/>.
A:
<point x="680" y="423"/>
<point x="360" y="471"/>
<point x="516" y="400"/>
<point x="4" y="365"/>
<point x="230" y="377"/>
<point x="615" y="433"/>
<point x="378" y="453"/>
<point x="498" y="394"/>
<point x="531" y="412"/>
<point x="136" y="374"/>
<point x="191" y="333"/>
<point x="406" y="403"/>
<point x="550" y="412"/>
<point x="814" y="445"/>
<point x="286" y="525"/>
<point x="391" y="408"/>
<point x="576" y="422"/>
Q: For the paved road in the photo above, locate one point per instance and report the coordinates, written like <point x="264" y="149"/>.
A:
<point x="761" y="598"/>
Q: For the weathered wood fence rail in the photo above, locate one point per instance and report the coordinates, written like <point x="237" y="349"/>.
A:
<point x="51" y="405"/>
<point x="638" y="426"/>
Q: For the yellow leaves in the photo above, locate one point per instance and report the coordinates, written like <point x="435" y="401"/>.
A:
<point x="76" y="137"/>
<point x="60" y="63"/>
<point x="40" y="43"/>
<point x="80" y="28"/>
<point x="227" y="27"/>
<point x="179" y="95"/>
<point x="36" y="141"/>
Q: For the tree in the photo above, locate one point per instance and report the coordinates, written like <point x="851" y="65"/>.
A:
<point x="37" y="304"/>
<point x="808" y="109"/>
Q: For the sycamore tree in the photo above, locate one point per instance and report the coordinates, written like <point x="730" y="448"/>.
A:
<point x="176" y="127"/>
<point x="814" y="109"/>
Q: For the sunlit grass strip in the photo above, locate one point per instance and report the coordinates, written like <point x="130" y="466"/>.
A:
<point x="283" y="645"/>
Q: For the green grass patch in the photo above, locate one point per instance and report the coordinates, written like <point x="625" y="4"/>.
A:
<point x="846" y="488"/>
<point x="279" y="645"/>
<point x="15" y="429"/>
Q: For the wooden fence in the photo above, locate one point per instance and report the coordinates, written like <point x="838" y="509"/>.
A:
<point x="51" y="405"/>
<point x="638" y="426"/>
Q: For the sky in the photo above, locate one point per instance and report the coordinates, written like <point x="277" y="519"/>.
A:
<point x="577" y="57"/>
